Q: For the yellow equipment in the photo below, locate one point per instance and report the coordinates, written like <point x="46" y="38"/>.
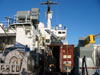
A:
<point x="91" y="39"/>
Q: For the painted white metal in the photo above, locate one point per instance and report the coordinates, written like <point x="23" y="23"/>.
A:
<point x="49" y="17"/>
<point x="9" y="68"/>
<point x="24" y="38"/>
<point x="89" y="63"/>
<point x="14" y="57"/>
<point x="96" y="50"/>
<point x="27" y="36"/>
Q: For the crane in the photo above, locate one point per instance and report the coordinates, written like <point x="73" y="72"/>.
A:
<point x="91" y="39"/>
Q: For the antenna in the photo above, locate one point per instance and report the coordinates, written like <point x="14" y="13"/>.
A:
<point x="97" y="35"/>
<point x="49" y="3"/>
<point x="8" y="19"/>
<point x="49" y="13"/>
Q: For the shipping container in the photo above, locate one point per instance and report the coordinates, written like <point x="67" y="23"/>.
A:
<point x="64" y="57"/>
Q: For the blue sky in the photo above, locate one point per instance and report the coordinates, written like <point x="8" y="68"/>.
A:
<point x="81" y="17"/>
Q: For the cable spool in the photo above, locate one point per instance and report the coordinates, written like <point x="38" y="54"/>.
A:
<point x="14" y="57"/>
<point x="30" y="64"/>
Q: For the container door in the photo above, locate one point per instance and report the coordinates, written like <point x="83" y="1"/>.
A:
<point x="66" y="58"/>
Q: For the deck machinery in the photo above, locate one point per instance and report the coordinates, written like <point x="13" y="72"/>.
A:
<point x="29" y="48"/>
<point x="87" y="56"/>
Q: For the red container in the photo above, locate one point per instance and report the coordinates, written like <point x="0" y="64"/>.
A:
<point x="66" y="58"/>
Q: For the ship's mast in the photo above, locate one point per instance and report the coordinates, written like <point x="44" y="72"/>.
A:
<point x="49" y="13"/>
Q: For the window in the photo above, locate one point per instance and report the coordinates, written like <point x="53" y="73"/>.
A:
<point x="47" y="40"/>
<point x="59" y="32"/>
<point x="63" y="32"/>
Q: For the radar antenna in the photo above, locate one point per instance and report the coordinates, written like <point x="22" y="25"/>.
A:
<point x="49" y="2"/>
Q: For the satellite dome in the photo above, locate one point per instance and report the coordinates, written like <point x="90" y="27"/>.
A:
<point x="40" y="25"/>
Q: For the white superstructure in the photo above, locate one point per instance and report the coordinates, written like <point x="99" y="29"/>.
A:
<point x="25" y="39"/>
<point x="27" y="29"/>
